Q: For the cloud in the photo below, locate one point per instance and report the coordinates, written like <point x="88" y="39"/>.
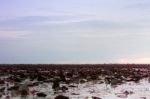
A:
<point x="12" y="34"/>
<point x="35" y="22"/>
<point x="139" y="5"/>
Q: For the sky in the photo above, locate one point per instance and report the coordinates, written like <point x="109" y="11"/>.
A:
<point x="74" y="31"/>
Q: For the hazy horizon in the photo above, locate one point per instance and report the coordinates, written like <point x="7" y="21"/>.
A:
<point x="74" y="31"/>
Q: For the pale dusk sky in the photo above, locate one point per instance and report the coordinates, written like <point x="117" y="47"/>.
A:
<point x="74" y="31"/>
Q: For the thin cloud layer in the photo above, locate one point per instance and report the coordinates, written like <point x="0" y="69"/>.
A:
<point x="99" y="31"/>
